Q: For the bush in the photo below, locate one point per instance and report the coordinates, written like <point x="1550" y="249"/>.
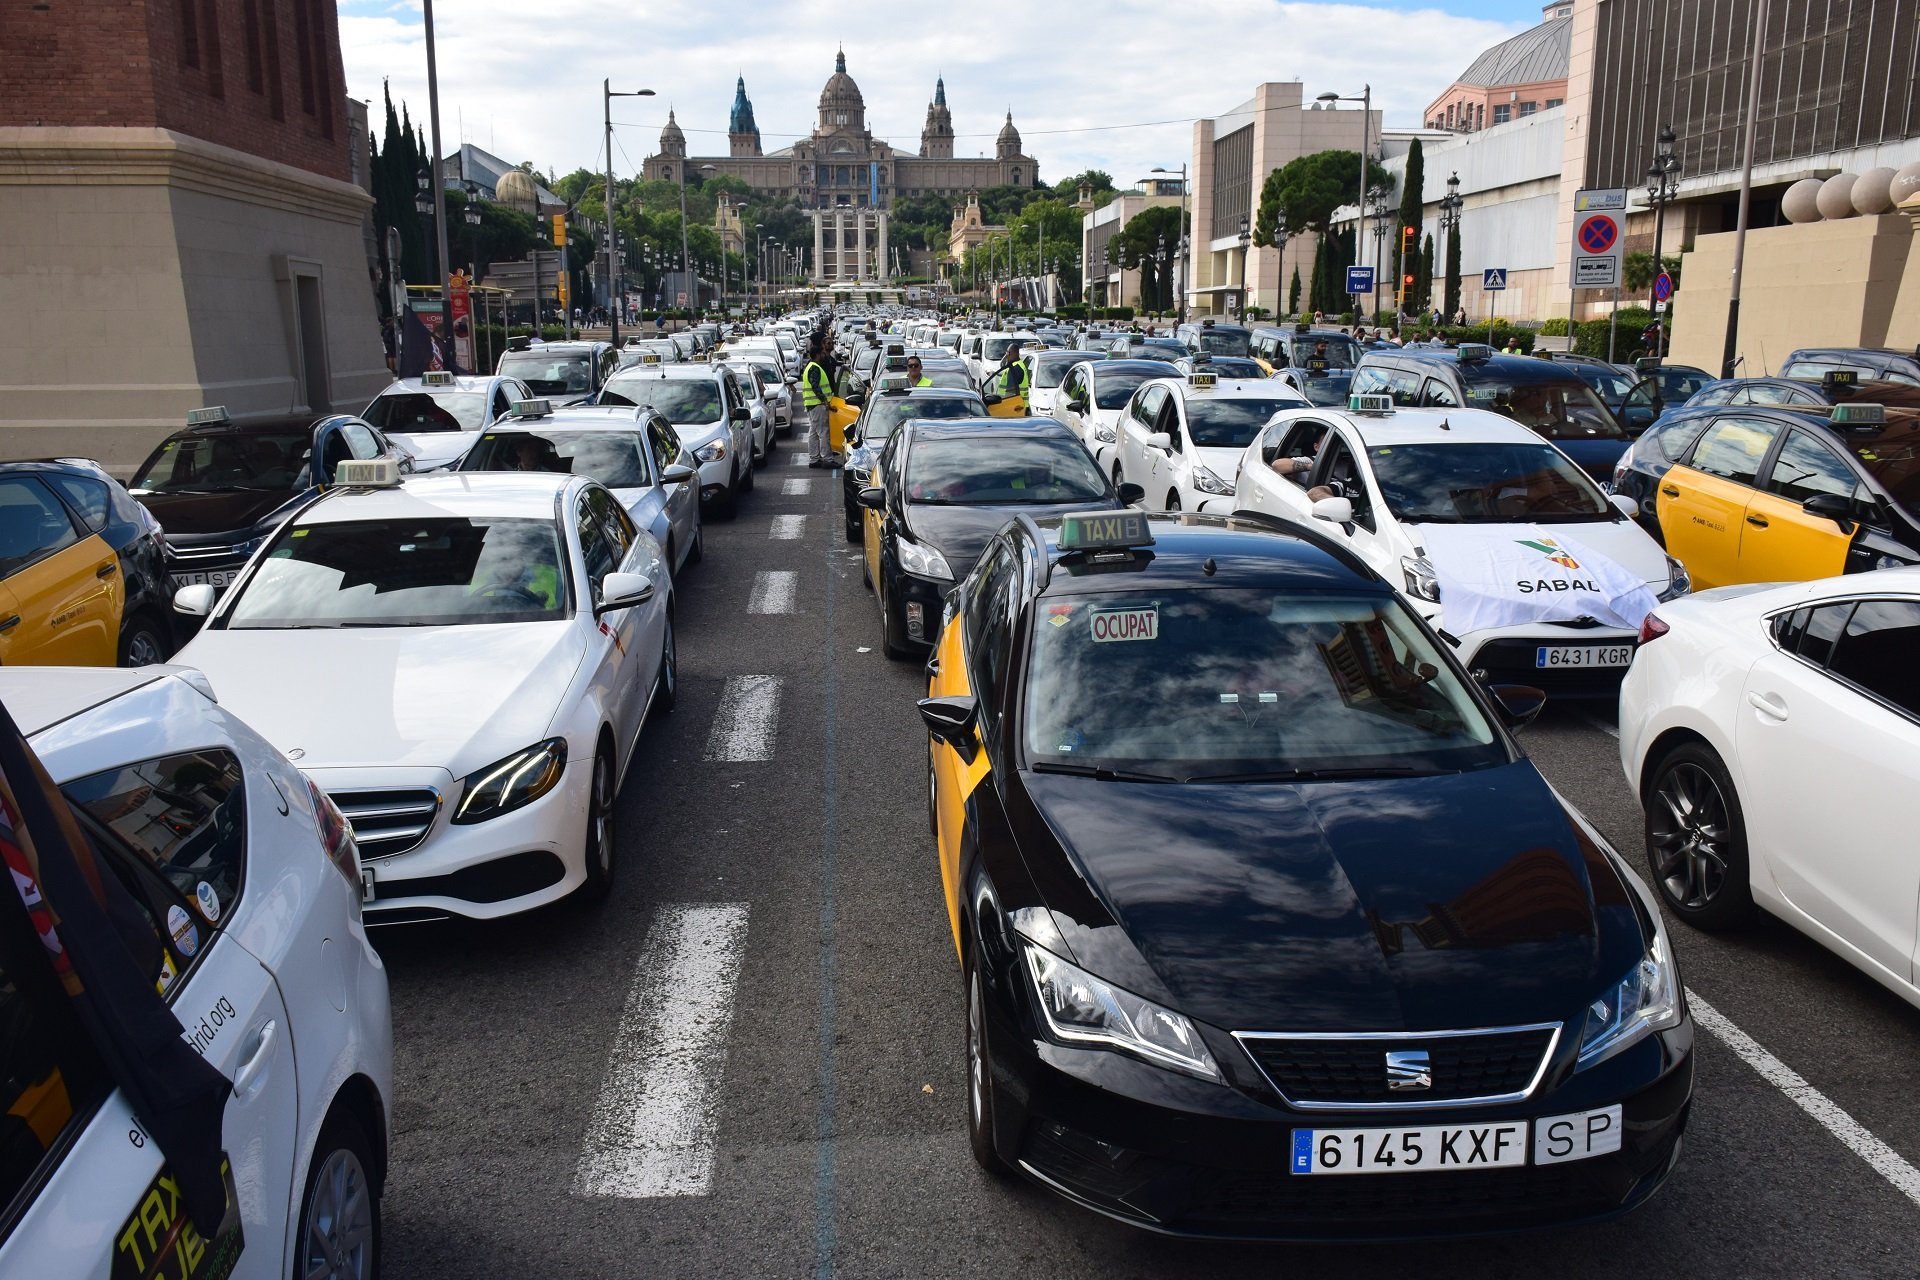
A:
<point x="1590" y="337"/>
<point x="1111" y="313"/>
<point x="1554" y="328"/>
<point x="1071" y="311"/>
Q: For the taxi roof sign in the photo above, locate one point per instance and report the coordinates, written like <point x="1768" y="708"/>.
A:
<point x="1858" y="415"/>
<point x="1471" y="351"/>
<point x="209" y="416"/>
<point x="537" y="408"/>
<point x="893" y="382"/>
<point x="1097" y="530"/>
<point x="1202" y="380"/>
<point x="1838" y="378"/>
<point x="436" y="378"/>
<point x="1372" y="403"/>
<point x="368" y="473"/>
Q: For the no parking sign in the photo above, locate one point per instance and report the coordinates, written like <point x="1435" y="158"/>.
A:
<point x="1597" y="247"/>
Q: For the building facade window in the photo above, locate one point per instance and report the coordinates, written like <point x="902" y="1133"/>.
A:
<point x="216" y="72"/>
<point x="1552" y="103"/>
<point x="250" y="32"/>
<point x="303" y="54"/>
<point x="270" y="28"/>
<point x="1528" y="108"/>
<point x="189" y="34"/>
<point x="1502" y="112"/>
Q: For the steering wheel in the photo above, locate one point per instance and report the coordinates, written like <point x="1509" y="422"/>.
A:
<point x="511" y="589"/>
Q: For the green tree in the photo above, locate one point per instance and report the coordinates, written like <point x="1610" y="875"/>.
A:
<point x="1098" y="181"/>
<point x="1423" y="288"/>
<point x="1302" y="194"/>
<point x="1293" y="292"/>
<point x="1639" y="271"/>
<point x="1141" y="239"/>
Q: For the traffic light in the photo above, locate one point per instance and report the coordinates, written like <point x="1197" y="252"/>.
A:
<point x="559" y="229"/>
<point x="1406" y="283"/>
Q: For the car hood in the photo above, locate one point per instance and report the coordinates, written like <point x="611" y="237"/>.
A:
<point x="203" y="514"/>
<point x="456" y="698"/>
<point x="1622" y="541"/>
<point x="961" y="533"/>
<point x="1462" y="900"/>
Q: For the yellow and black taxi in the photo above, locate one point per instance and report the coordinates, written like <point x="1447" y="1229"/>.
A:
<point x="942" y="488"/>
<point x="83" y="570"/>
<point x="892" y="404"/>
<point x="1304" y="347"/>
<point x="1787" y="495"/>
<point x="1267" y="926"/>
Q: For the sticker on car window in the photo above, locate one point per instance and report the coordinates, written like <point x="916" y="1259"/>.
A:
<point x="1113" y="625"/>
<point x="1059" y="615"/>
<point x="186" y="935"/>
<point x="209" y="900"/>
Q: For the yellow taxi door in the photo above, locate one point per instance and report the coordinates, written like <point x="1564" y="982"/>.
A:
<point x="1782" y="541"/>
<point x="1702" y="502"/>
<point x="953" y="778"/>
<point x="840" y="416"/>
<point x="66" y="589"/>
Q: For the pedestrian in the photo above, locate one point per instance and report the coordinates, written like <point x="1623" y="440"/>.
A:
<point x="1461" y="319"/>
<point x="816" y="390"/>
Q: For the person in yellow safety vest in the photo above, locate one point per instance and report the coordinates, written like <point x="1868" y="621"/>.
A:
<point x="915" y="376"/>
<point x="1011" y="380"/>
<point x="816" y="390"/>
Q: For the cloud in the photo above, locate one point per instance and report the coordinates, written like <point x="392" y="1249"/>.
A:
<point x="525" y="82"/>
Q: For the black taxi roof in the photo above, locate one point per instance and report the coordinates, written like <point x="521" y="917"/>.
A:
<point x="1243" y="550"/>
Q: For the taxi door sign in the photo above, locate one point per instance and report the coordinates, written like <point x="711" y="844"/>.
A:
<point x="1110" y="626"/>
<point x="159" y="1241"/>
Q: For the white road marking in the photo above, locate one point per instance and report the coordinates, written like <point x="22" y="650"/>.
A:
<point x="773" y="591"/>
<point x="1884" y="1160"/>
<point x="1611" y="730"/>
<point x="800" y="460"/>
<point x="655" y="1127"/>
<point x="743" y="726"/>
<point x="797" y="486"/>
<point x="787" y="528"/>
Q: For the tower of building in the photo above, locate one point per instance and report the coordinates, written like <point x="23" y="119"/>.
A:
<point x="1007" y="145"/>
<point x="843" y="109"/>
<point x="743" y="135"/>
<point x="673" y="142"/>
<point x="936" y="138"/>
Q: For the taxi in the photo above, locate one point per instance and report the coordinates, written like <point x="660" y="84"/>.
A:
<point x="437" y="416"/>
<point x="1292" y="939"/>
<point x="880" y="416"/>
<point x="83" y="570"/>
<point x="480" y="654"/>
<point x="1303" y="347"/>
<point x="567" y="372"/>
<point x="1093" y="396"/>
<point x="1180" y="439"/>
<point x="1497" y="538"/>
<point x="1783" y="495"/>
<point x="705" y="407"/>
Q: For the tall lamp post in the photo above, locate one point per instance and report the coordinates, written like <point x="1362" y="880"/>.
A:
<point x="439" y="193"/>
<point x="1160" y="269"/>
<point x="1663" y="184"/>
<point x="471" y="216"/>
<point x="1379" y="211"/>
<point x="607" y="95"/>
<point x="1246" y="251"/>
<point x="1360" y="203"/>
<point x="1450" y="225"/>
<point x="1184" y="240"/>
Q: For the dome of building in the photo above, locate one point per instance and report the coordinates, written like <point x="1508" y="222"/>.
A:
<point x="673" y="141"/>
<point x="516" y="190"/>
<point x="841" y="93"/>
<point x="1007" y="144"/>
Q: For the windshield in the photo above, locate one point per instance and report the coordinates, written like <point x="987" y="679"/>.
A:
<point x="617" y="459"/>
<point x="891" y="411"/>
<point x="1341" y="351"/>
<point x="1613" y="387"/>
<point x="549" y="374"/>
<point x="1231" y="424"/>
<point x="970" y="471"/>
<point x="995" y="348"/>
<point x="1329" y="388"/>
<point x="1557" y="410"/>
<point x="405" y="573"/>
<point x="1233" y="367"/>
<point x="1678" y="385"/>
<point x="423" y="411"/>
<point x="1217" y="343"/>
<point x="1892" y="457"/>
<point x="223" y="464"/>
<point x="1242" y="684"/>
<point x="1048" y="372"/>
<point x="947" y="376"/>
<point x="1113" y="390"/>
<point x="681" y="401"/>
<point x="1484" y="483"/>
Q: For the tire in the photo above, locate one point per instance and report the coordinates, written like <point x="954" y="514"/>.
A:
<point x="1173" y="500"/>
<point x="853" y="528"/>
<point x="866" y="572"/>
<point x="979" y="1062"/>
<point x="602" y="844"/>
<point x="887" y="646"/>
<point x="666" y="687"/>
<point x="698" y="551"/>
<point x="728" y="502"/>
<point x="766" y="453"/>
<point x="142" y="643"/>
<point x="1696" y="837"/>
<point x="746" y="477"/>
<point x="339" y="1231"/>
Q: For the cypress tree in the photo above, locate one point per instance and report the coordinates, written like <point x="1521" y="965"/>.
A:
<point x="1423" y="290"/>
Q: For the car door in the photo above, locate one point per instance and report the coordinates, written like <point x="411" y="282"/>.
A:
<point x="1828" y="746"/>
<point x="1782" y="540"/>
<point x="1702" y="500"/>
<point x="682" y="499"/>
<point x="1285" y="497"/>
<point x="64" y="582"/>
<point x="873" y="521"/>
<point x="1342" y="464"/>
<point x="330" y="448"/>
<point x="1136" y="424"/>
<point x="615" y="634"/>
<point x="1167" y="468"/>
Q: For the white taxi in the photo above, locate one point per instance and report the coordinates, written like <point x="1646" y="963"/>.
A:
<point x="1180" y="439"/>
<point x="1495" y="536"/>
<point x="437" y="416"/>
<point x="1094" y="394"/>
<point x="705" y="407"/>
<point x="464" y="663"/>
<point x="232" y="903"/>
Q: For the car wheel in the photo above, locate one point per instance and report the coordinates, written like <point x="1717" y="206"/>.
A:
<point x="766" y="452"/>
<point x="853" y="528"/>
<point x="601" y="843"/>
<point x="728" y="502"/>
<point x="866" y="572"/>
<point x="1173" y="500"/>
<point x="746" y="478"/>
<point x="340" y="1209"/>
<point x="141" y="643"/>
<point x="1697" y="839"/>
<point x="666" y="685"/>
<point x="887" y="646"/>
<point x="980" y="1075"/>
<point x="698" y="551"/>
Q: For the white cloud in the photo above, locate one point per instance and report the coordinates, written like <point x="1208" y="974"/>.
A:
<point x="524" y="82"/>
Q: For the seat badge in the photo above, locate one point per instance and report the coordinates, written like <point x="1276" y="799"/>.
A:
<point x="1408" y="1070"/>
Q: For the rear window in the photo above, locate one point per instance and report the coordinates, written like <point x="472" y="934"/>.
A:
<point x="1216" y="343"/>
<point x="1557" y="410"/>
<point x="420" y="411"/>
<point x="617" y="459"/>
<point x="1231" y="423"/>
<point x="549" y="375"/>
<point x="687" y="401"/>
<point x="225" y="463"/>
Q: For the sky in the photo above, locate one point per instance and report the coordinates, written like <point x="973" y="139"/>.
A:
<point x="524" y="81"/>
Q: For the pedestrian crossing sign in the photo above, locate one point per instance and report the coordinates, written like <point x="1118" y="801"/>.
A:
<point x="1493" y="279"/>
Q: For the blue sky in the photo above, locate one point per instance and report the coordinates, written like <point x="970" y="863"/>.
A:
<point x="524" y="81"/>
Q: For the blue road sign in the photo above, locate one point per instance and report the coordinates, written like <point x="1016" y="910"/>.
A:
<point x="1359" y="279"/>
<point x="1663" y="287"/>
<point x="1493" y="279"/>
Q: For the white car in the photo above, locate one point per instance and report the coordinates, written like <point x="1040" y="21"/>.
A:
<point x="1493" y="534"/>
<point x="984" y="360"/>
<point x="464" y="663"/>
<point x="437" y="416"/>
<point x="704" y="406"/>
<point x="1093" y="395"/>
<point x="238" y="896"/>
<point x="760" y="425"/>
<point x="1773" y="736"/>
<point x="1181" y="438"/>
<point x="1046" y="369"/>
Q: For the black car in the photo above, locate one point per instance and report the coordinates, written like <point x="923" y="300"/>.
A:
<point x="941" y="489"/>
<point x="1213" y="338"/>
<point x="879" y="417"/>
<point x="1252" y="888"/>
<point x="1875" y="364"/>
<point x="219" y="488"/>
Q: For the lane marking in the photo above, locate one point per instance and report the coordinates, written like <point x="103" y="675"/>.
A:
<point x="800" y="460"/>
<point x="773" y="591"/>
<point x="787" y="528"/>
<point x="797" y="486"/>
<point x="743" y="726"/>
<point x="826" y="1230"/>
<point x="1611" y="730"/>
<point x="655" y="1127"/>
<point x="1883" y="1159"/>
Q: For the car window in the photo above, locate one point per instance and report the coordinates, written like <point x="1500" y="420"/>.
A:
<point x="1675" y="438"/>
<point x="666" y="446"/>
<point x="594" y="547"/>
<point x="1230" y="423"/>
<point x="1337" y="466"/>
<point x="987" y="660"/>
<point x="417" y="411"/>
<point x="689" y="401"/>
<point x="1484" y="484"/>
<point x="1811" y="632"/>
<point x="361" y="441"/>
<point x="1438" y="394"/>
<point x="1805" y="467"/>
<point x="51" y="1078"/>
<point x="995" y="565"/>
<point x="1732" y="448"/>
<point x="501" y="404"/>
<point x="92" y="498"/>
<point x="1722" y="394"/>
<point x="1369" y="381"/>
<point x="614" y="458"/>
<point x="967" y="472"/>
<point x="1146" y="408"/>
<point x="613" y="521"/>
<point x="1876" y="651"/>
<point x="33" y="524"/>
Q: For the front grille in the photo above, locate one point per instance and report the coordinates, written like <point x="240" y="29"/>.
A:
<point x="1468" y="1067"/>
<point x="386" y="823"/>
<point x="203" y="551"/>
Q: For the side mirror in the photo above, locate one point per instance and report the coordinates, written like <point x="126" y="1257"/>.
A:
<point x="873" y="498"/>
<point x="195" y="601"/>
<point x="1828" y="506"/>
<point x="676" y="474"/>
<point x="990" y="400"/>
<point x="1131" y="493"/>
<point x="855" y="399"/>
<point x="1625" y="505"/>
<point x="741" y="413"/>
<point x="951" y="720"/>
<point x="622" y="591"/>
<point x="1518" y="703"/>
<point x="1334" y="510"/>
<point x="1160" y="440"/>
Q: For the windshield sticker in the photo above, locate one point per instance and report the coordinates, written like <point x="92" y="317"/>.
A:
<point x="1059" y="614"/>
<point x="209" y="901"/>
<point x="186" y="936"/>
<point x="1114" y="625"/>
<point x="167" y="972"/>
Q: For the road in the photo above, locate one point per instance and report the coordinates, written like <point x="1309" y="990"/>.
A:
<point x="773" y="990"/>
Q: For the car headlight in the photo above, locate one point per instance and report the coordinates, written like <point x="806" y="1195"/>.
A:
<point x="1645" y="1001"/>
<point x="1104" y="434"/>
<point x="712" y="452"/>
<point x="921" y="559"/>
<point x="1081" y="1009"/>
<point x="517" y="781"/>
<point x="1678" y="583"/>
<point x="1206" y="481"/>
<point x="1421" y="581"/>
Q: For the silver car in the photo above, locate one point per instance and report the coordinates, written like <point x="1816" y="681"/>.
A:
<point x="705" y="408"/>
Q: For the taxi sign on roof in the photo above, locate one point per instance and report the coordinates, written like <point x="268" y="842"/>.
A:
<point x="436" y="378"/>
<point x="1858" y="415"/>
<point x="1089" y="530"/>
<point x="531" y="408"/>
<point x="893" y="382"/>
<point x="1363" y="402"/>
<point x="1470" y="351"/>
<point x="208" y="416"/>
<point x="1202" y="380"/>
<point x="369" y="473"/>
<point x="1838" y="378"/>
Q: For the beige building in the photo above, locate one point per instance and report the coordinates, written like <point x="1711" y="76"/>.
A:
<point x="969" y="230"/>
<point x="1102" y="281"/>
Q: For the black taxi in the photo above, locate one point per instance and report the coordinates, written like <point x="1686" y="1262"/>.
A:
<point x="1267" y="926"/>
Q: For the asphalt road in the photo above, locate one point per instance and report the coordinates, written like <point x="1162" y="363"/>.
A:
<point x="819" y="1060"/>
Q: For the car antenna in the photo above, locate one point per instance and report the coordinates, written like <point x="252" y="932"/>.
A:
<point x="1445" y="425"/>
<point x="1208" y="567"/>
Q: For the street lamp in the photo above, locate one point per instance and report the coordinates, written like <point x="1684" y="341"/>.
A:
<point x="423" y="197"/>
<point x="1160" y="260"/>
<point x="607" y="95"/>
<point x="1246" y="251"/>
<point x="1663" y="184"/>
<point x="1450" y="224"/>
<point x="1360" y="202"/>
<point x="1183" y="238"/>
<point x="1379" y="211"/>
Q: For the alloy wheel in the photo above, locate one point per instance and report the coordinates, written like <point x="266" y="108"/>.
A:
<point x="339" y="1238"/>
<point x="1688" y="830"/>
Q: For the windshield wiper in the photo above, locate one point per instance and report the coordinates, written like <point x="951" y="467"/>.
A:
<point x="1101" y="772"/>
<point x="1310" y="775"/>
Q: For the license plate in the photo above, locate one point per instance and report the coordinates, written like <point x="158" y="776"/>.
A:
<point x="1427" y="1149"/>
<point x="366" y="884"/>
<point x="215" y="578"/>
<point x="1589" y="655"/>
